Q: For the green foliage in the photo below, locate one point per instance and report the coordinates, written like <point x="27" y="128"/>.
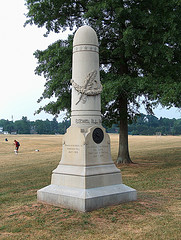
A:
<point x="150" y="125"/>
<point x="22" y="126"/>
<point x="50" y="127"/>
<point x="140" y="51"/>
<point x="55" y="15"/>
<point x="7" y="125"/>
<point x="25" y="126"/>
<point x="143" y="125"/>
<point x="140" y="54"/>
<point x="55" y="65"/>
<point x="62" y="127"/>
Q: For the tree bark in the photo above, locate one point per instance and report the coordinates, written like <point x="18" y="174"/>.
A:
<point x="123" y="153"/>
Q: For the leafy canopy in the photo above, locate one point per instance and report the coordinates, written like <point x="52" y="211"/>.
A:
<point x="140" y="51"/>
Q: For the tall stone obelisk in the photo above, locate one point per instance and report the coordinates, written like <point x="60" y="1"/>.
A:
<point x="86" y="177"/>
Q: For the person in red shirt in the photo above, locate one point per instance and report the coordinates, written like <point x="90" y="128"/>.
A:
<point x="16" y="143"/>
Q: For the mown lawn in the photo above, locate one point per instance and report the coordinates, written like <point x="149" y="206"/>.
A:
<point x="156" y="176"/>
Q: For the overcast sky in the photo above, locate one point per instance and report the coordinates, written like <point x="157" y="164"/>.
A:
<point x="20" y="88"/>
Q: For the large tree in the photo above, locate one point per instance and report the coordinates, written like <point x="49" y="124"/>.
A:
<point x="140" y="54"/>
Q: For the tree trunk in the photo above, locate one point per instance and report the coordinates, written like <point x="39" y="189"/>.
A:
<point x="123" y="153"/>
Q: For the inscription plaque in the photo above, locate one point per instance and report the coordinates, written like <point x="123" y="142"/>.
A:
<point x="99" y="151"/>
<point x="98" y="135"/>
<point x="73" y="148"/>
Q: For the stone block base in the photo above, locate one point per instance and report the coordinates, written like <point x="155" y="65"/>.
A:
<point x="86" y="199"/>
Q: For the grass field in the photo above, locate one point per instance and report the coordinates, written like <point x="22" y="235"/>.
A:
<point x="156" y="176"/>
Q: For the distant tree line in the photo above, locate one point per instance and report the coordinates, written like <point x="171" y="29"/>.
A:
<point x="24" y="126"/>
<point x="144" y="125"/>
<point x="150" y="125"/>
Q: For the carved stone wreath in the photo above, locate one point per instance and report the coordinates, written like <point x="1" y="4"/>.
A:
<point x="90" y="88"/>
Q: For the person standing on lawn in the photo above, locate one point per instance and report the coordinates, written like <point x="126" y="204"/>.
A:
<point x="17" y="145"/>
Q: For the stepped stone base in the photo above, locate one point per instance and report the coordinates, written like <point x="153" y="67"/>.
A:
<point x="85" y="200"/>
<point x="86" y="177"/>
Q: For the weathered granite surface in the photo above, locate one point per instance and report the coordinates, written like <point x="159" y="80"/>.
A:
<point x="86" y="177"/>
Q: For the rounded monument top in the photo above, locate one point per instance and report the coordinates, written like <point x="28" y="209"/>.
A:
<point x="85" y="35"/>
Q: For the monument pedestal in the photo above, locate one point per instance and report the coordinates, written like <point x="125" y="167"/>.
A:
<point x="86" y="200"/>
<point x="86" y="177"/>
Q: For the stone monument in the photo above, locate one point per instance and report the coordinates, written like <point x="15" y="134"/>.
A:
<point x="86" y="177"/>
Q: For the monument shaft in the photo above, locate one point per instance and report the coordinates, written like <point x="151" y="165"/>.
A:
<point x="86" y="106"/>
<point x="86" y="177"/>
